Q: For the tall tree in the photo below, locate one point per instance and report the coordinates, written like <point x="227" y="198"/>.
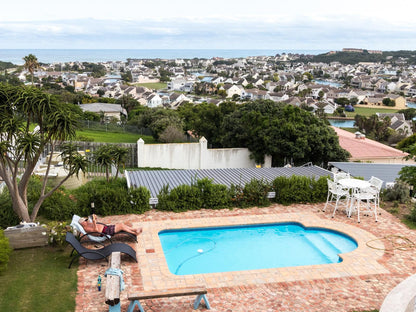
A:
<point x="21" y="147"/>
<point x="283" y="131"/>
<point x="31" y="64"/>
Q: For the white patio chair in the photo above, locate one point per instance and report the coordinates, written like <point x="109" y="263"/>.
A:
<point x="365" y="199"/>
<point x="336" y="195"/>
<point x="341" y="175"/>
<point x="376" y="185"/>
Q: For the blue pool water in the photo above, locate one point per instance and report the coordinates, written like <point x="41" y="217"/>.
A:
<point x="239" y="248"/>
<point x="342" y="123"/>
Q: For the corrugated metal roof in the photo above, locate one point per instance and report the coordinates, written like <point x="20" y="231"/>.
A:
<point x="386" y="172"/>
<point x="155" y="180"/>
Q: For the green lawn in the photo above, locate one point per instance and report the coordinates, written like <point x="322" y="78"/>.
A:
<point x="38" y="280"/>
<point x="153" y="85"/>
<point x="368" y="111"/>
<point x="112" y="137"/>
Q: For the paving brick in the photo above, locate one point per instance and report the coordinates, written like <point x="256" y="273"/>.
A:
<point x="326" y="290"/>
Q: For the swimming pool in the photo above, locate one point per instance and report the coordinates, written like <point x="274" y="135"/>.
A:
<point x="252" y="247"/>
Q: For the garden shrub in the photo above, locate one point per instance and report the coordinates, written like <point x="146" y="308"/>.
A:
<point x="109" y="198"/>
<point x="412" y="215"/>
<point x="59" y="206"/>
<point x="399" y="192"/>
<point x="5" y="251"/>
<point x="255" y="193"/>
<point x="186" y="197"/>
<point x="7" y="215"/>
<point x="164" y="201"/>
<point x="57" y="232"/>
<point x="181" y="198"/>
<point x="213" y="196"/>
<point x="236" y="195"/>
<point x="299" y="189"/>
<point x="139" y="198"/>
<point x="319" y="189"/>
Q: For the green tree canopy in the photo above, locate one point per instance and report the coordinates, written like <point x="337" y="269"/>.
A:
<point x="286" y="132"/>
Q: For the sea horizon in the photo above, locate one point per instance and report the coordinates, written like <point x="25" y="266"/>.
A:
<point x="49" y="56"/>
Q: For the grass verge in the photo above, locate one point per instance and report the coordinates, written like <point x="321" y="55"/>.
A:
<point x="114" y="137"/>
<point x="153" y="85"/>
<point x="368" y="111"/>
<point x="38" y="280"/>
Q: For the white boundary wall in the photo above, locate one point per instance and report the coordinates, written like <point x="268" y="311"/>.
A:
<point x="194" y="156"/>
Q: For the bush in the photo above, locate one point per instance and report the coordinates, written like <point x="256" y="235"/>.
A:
<point x="186" y="197"/>
<point x="181" y="198"/>
<point x="399" y="192"/>
<point x="57" y="232"/>
<point x="236" y="195"/>
<point x="5" y="251"/>
<point x="213" y="196"/>
<point x="255" y="193"/>
<point x="109" y="198"/>
<point x="7" y="215"/>
<point x="139" y="198"/>
<point x="412" y="215"/>
<point x="59" y="206"/>
<point x="319" y="189"/>
<point x="164" y="202"/>
<point x="299" y="189"/>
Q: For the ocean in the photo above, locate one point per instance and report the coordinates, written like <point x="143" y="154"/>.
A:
<point x="15" y="56"/>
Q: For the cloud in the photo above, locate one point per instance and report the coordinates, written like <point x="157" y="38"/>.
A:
<point x="237" y="32"/>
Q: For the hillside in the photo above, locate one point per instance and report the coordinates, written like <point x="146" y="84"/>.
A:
<point x="394" y="57"/>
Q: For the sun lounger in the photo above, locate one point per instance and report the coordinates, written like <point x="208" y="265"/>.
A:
<point x="95" y="236"/>
<point x="97" y="254"/>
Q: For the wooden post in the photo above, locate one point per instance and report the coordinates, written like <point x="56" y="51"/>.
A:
<point x="112" y="290"/>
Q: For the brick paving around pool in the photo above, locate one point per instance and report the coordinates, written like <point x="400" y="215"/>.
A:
<point x="359" y="282"/>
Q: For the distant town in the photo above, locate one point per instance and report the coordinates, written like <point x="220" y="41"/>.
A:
<point x="331" y="87"/>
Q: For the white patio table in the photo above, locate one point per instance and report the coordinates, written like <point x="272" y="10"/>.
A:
<point x="354" y="185"/>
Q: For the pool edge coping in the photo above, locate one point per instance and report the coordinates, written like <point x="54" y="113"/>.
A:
<point x="156" y="275"/>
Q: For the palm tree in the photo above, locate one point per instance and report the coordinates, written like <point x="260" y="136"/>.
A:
<point x="119" y="157"/>
<point x="104" y="158"/>
<point x="31" y="64"/>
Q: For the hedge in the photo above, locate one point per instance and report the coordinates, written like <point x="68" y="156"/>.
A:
<point x="114" y="197"/>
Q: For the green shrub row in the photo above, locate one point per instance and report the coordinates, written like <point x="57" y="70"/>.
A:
<point x="109" y="198"/>
<point x="114" y="197"/>
<point x="205" y="194"/>
<point x="297" y="189"/>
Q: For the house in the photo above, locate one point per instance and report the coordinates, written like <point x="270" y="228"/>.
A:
<point x="398" y="123"/>
<point x="377" y="100"/>
<point x="329" y="108"/>
<point x="277" y="96"/>
<point x="176" y="84"/>
<point x="366" y="150"/>
<point x="154" y="100"/>
<point x="412" y="91"/>
<point x="233" y="89"/>
<point x="109" y="110"/>
<point x="176" y="98"/>
<point x="254" y="94"/>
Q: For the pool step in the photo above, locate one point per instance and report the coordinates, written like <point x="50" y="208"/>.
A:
<point x="324" y="246"/>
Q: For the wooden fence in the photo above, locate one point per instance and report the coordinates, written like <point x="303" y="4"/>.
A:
<point x="88" y="148"/>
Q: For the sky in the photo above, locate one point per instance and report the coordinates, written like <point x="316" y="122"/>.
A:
<point x="214" y="24"/>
